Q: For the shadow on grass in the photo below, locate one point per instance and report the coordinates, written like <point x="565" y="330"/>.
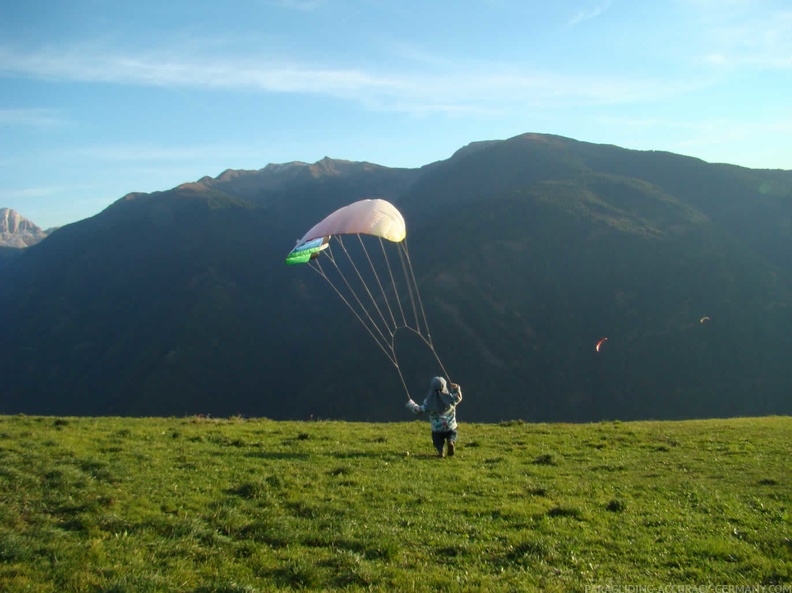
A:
<point x="431" y="457"/>
<point x="277" y="455"/>
<point x="385" y="456"/>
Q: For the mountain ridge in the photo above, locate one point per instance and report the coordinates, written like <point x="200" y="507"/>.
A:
<point x="527" y="251"/>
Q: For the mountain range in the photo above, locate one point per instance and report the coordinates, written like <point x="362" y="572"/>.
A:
<point x="527" y="252"/>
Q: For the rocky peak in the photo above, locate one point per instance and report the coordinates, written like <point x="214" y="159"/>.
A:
<point x="17" y="231"/>
<point x="13" y="222"/>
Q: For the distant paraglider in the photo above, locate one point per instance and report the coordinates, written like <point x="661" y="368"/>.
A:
<point x="600" y="343"/>
<point x="704" y="319"/>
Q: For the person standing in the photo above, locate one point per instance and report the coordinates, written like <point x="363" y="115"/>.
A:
<point x="440" y="404"/>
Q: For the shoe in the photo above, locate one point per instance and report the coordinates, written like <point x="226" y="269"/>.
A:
<point x="450" y="448"/>
<point x="440" y="454"/>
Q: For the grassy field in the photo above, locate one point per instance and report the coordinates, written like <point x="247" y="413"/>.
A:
<point x="236" y="505"/>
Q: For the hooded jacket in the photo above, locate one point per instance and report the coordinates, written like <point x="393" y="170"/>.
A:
<point x="440" y="404"/>
<point x="439" y="399"/>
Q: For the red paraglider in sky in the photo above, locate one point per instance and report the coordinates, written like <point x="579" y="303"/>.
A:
<point x="602" y="341"/>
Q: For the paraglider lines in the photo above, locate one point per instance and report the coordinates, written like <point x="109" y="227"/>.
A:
<point x="376" y="218"/>
<point x="405" y="262"/>
<point x="417" y="295"/>
<point x="376" y="277"/>
<point x="363" y="283"/>
<point x="384" y="333"/>
<point x="393" y="282"/>
<point x="317" y="267"/>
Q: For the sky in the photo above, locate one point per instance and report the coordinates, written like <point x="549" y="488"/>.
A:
<point x="100" y="98"/>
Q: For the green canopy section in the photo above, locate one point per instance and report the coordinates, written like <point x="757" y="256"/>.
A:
<point x="304" y="252"/>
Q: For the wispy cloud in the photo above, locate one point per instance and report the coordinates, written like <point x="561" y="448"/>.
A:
<point x="718" y="131"/>
<point x="301" y="5"/>
<point x="161" y="158"/>
<point x="38" y="118"/>
<point x="752" y="143"/>
<point x="166" y="68"/>
<point x="39" y="192"/>
<point x="744" y="34"/>
<point x="585" y="14"/>
<point x="139" y="153"/>
<point x="722" y="126"/>
<point x="28" y="192"/>
<point x="457" y="87"/>
<point x="763" y="60"/>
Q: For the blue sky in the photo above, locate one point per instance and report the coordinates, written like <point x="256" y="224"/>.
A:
<point x="100" y="98"/>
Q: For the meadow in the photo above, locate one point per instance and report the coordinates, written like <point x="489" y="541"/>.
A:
<point x="243" y="505"/>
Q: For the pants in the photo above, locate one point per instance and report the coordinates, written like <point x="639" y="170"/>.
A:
<point x="439" y="438"/>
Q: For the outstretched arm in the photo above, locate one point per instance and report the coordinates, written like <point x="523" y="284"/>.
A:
<point x="456" y="393"/>
<point x="413" y="407"/>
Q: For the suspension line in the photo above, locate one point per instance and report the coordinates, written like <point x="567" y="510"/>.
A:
<point x="385" y="337"/>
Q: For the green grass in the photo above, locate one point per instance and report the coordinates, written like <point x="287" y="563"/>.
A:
<point x="200" y="505"/>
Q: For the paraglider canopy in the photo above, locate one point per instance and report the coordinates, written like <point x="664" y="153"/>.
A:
<point x="600" y="343"/>
<point x="374" y="217"/>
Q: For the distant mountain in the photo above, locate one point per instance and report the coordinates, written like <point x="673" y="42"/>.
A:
<point x="527" y="252"/>
<point x="18" y="232"/>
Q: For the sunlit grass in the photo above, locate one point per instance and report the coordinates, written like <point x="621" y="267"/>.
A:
<point x="193" y="504"/>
